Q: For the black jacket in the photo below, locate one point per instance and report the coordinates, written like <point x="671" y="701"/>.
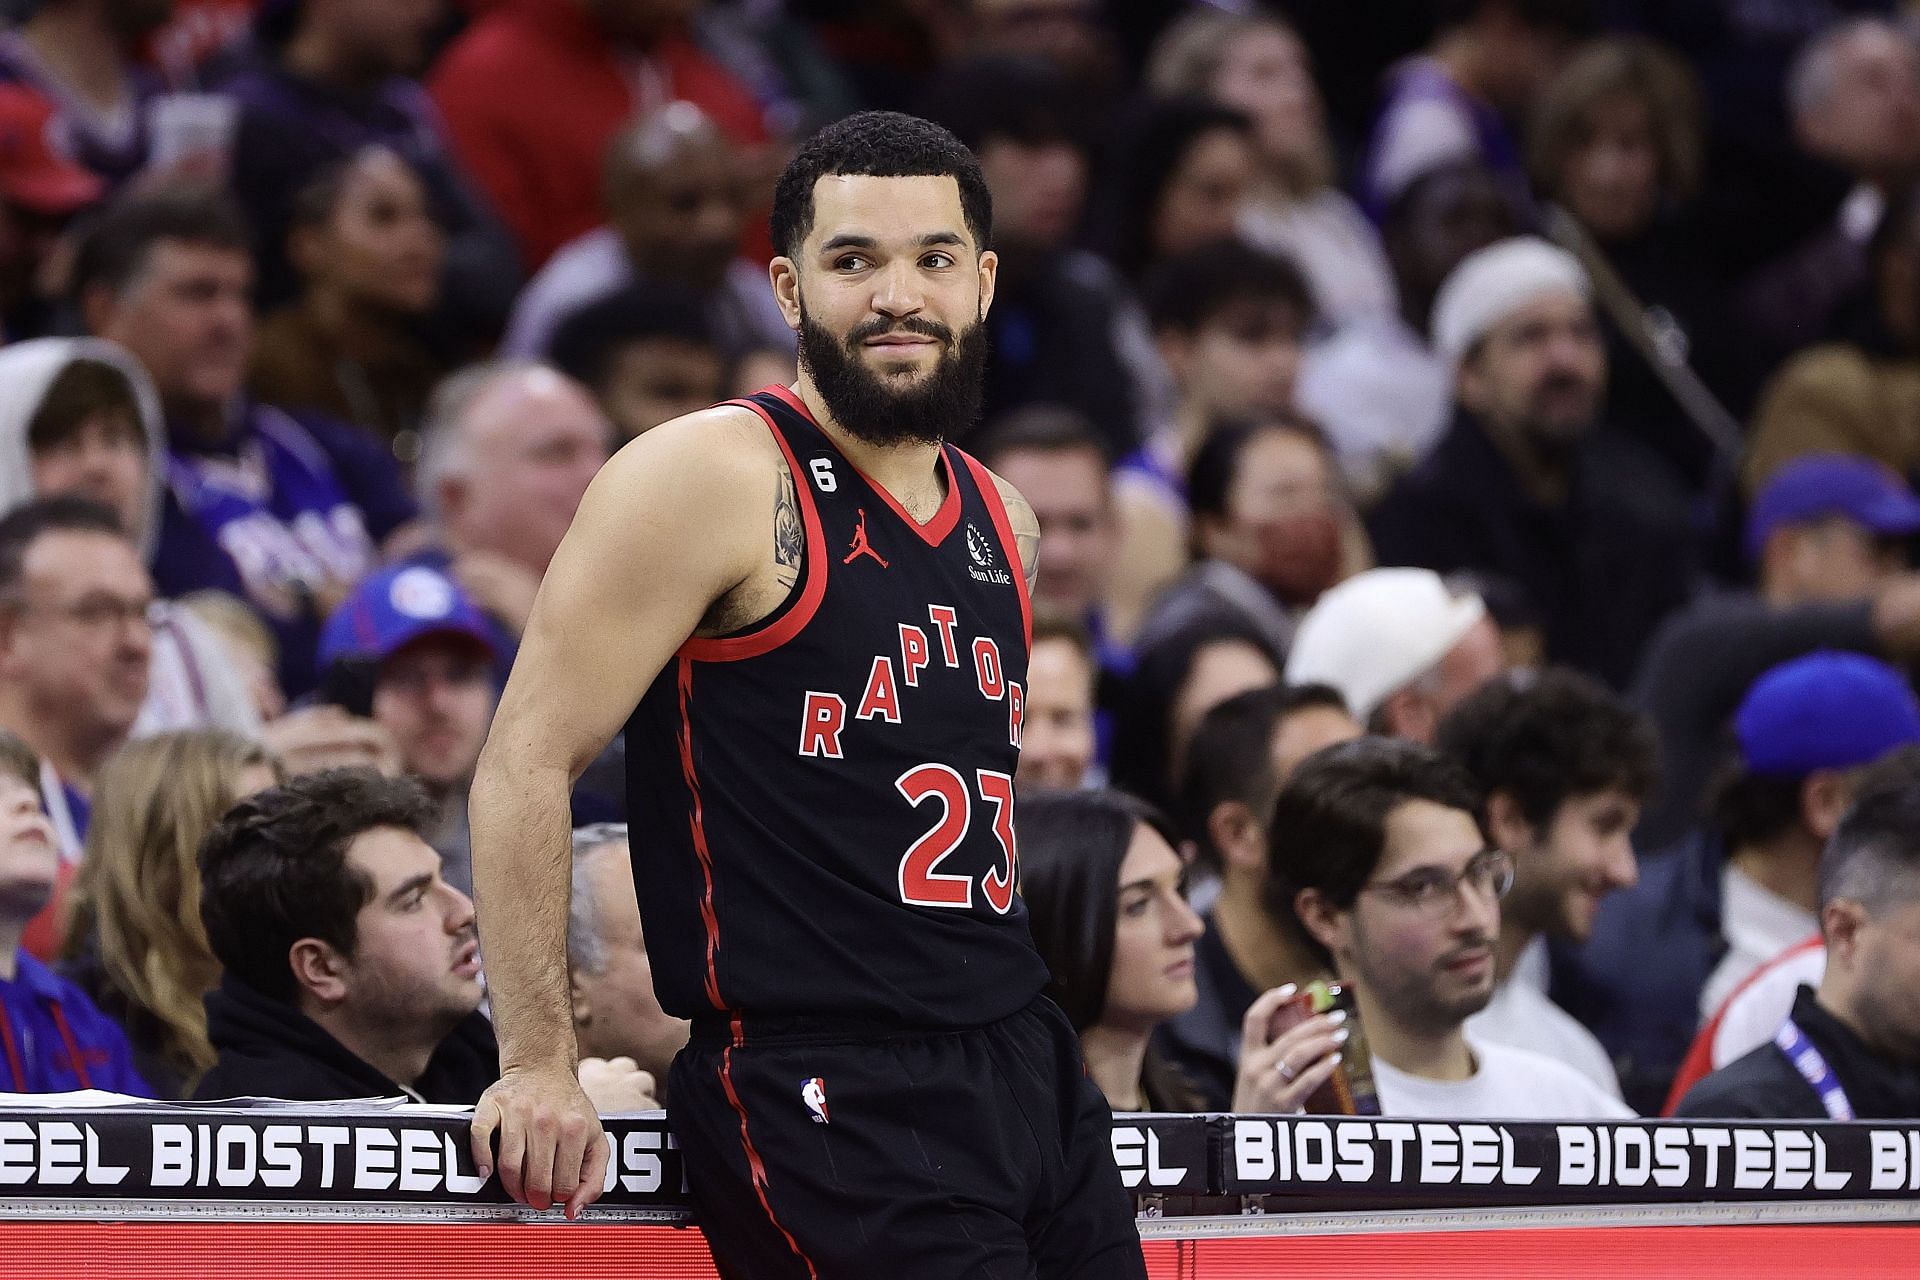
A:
<point x="1765" y="1085"/>
<point x="269" y="1049"/>
<point x="1603" y="568"/>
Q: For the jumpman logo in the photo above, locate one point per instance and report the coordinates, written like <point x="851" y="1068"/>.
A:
<point x="861" y="547"/>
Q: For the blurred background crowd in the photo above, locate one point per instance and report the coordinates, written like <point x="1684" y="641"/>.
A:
<point x="1526" y="389"/>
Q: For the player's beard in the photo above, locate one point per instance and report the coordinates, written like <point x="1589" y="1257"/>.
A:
<point x="937" y="406"/>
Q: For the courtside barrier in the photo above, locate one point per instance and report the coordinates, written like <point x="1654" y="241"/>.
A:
<point x="369" y="1189"/>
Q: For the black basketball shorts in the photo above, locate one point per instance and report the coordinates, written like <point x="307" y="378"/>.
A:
<point x="982" y="1154"/>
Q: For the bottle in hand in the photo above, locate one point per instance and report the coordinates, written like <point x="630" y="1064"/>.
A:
<point x="1349" y="1091"/>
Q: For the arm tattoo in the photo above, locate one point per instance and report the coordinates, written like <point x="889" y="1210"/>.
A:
<point x="1026" y="538"/>
<point x="789" y="539"/>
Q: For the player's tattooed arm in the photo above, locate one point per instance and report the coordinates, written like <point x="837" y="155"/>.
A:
<point x="1026" y="533"/>
<point x="789" y="539"/>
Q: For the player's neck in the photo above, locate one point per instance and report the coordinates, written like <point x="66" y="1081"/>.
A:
<point x="903" y="470"/>
<point x="1116" y="1059"/>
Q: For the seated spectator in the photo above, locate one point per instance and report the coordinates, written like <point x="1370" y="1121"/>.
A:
<point x="350" y="345"/>
<point x="1525" y="482"/>
<point x="1272" y="530"/>
<point x="41" y="192"/>
<point x="351" y="968"/>
<point x="1827" y="536"/>
<point x="1487" y="63"/>
<point x="1749" y="1017"/>
<point x="134" y="942"/>
<point x="1186" y="675"/>
<point x="1375" y="844"/>
<point x="677" y="205"/>
<point x="82" y="57"/>
<point x="1106" y="899"/>
<point x="1859" y="393"/>
<point x="1852" y="98"/>
<point x="1563" y="765"/>
<point x="1377" y="386"/>
<point x="1851" y="1048"/>
<point x="577" y="73"/>
<point x="508" y="451"/>
<point x="350" y="965"/>
<point x="411" y="651"/>
<point x="284" y="512"/>
<point x="1616" y="145"/>
<point x="1063" y="328"/>
<point x="56" y="1039"/>
<point x="1242" y="754"/>
<point x="1228" y="322"/>
<point x="1741" y="889"/>
<point x="78" y="416"/>
<point x="1058" y="743"/>
<point x="647" y="353"/>
<point x="1058" y="462"/>
<point x="75" y="645"/>
<point x="1399" y="647"/>
<point x="1255" y="62"/>
<point x="1184" y="169"/>
<point x="615" y="1013"/>
<point x="326" y="81"/>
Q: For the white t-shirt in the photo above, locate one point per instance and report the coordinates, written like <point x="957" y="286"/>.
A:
<point x="1522" y="1017"/>
<point x="1758" y="925"/>
<point x="1508" y="1084"/>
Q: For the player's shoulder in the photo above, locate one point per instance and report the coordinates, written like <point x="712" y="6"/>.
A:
<point x="719" y="446"/>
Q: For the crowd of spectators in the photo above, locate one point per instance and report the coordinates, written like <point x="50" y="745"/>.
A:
<point x="1473" y="441"/>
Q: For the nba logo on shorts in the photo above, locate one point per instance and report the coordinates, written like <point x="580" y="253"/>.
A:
<point x="814" y="1093"/>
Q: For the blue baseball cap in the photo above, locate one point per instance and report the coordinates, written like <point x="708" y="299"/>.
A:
<point x="1825" y="711"/>
<point x="391" y="609"/>
<point x="1833" y="484"/>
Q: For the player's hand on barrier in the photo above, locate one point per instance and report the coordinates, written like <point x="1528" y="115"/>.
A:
<point x="1277" y="1076"/>
<point x="551" y="1146"/>
<point x="617" y="1084"/>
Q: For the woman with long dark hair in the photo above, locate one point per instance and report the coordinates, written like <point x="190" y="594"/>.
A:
<point x="1106" y="899"/>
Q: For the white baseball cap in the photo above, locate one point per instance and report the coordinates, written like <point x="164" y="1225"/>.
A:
<point x="1379" y="631"/>
<point x="1491" y="284"/>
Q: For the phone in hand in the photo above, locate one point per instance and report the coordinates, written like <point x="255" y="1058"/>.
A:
<point x="1349" y="1091"/>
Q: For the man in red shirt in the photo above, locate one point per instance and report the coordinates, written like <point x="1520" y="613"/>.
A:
<point x="534" y="90"/>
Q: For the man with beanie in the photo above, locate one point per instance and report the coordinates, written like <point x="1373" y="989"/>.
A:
<point x="1665" y="953"/>
<point x="1525" y="483"/>
<point x="1400" y="647"/>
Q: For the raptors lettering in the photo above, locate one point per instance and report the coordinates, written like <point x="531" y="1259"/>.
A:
<point x="823" y="715"/>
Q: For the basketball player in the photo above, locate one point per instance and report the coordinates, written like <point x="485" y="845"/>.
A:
<point x="811" y="616"/>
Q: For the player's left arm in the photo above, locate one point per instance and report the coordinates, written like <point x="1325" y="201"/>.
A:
<point x="1026" y="530"/>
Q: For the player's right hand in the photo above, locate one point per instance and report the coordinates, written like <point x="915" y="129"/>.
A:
<point x="552" y="1149"/>
<point x="1277" y="1077"/>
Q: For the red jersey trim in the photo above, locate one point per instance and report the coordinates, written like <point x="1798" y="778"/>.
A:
<point x="1003" y="528"/>
<point x="756" y="1169"/>
<point x="934" y="531"/>
<point x="696" y="820"/>
<point x="789" y="624"/>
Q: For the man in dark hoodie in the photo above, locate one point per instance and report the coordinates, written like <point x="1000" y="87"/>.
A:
<point x="351" y="965"/>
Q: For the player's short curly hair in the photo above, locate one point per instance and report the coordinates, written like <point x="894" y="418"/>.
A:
<point x="877" y="144"/>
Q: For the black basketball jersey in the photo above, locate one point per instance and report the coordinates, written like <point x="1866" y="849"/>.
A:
<point x="822" y="806"/>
